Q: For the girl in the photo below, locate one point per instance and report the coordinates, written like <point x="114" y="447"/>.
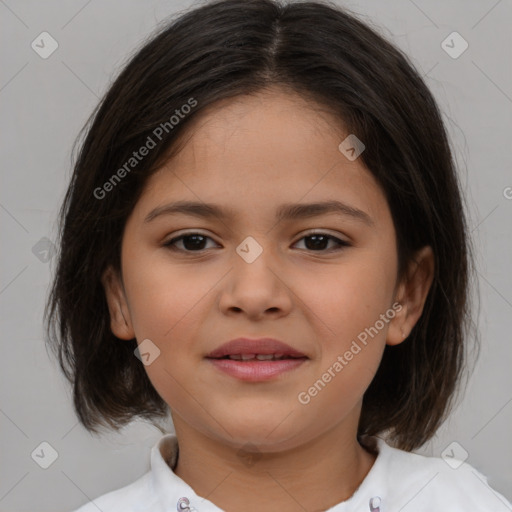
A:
<point x="264" y="237"/>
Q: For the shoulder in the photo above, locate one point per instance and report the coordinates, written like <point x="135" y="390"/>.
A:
<point x="146" y="493"/>
<point x="418" y="482"/>
<point x="135" y="497"/>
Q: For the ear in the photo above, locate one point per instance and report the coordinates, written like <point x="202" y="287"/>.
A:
<point x="412" y="294"/>
<point x="120" y="321"/>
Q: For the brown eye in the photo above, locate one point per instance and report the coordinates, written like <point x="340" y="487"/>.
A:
<point x="197" y="242"/>
<point x="318" y="242"/>
<point x="191" y="242"/>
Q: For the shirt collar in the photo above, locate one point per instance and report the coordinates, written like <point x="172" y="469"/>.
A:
<point x="172" y="490"/>
<point x="169" y="487"/>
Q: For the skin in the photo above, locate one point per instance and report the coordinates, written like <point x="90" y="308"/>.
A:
<point x="251" y="154"/>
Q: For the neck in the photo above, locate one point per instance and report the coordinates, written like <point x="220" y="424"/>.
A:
<point x="313" y="475"/>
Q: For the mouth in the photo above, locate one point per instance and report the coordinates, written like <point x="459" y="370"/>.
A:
<point x="262" y="349"/>
<point x="256" y="360"/>
<point x="258" y="357"/>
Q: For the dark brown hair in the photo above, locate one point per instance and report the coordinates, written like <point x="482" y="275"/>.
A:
<point x="220" y="50"/>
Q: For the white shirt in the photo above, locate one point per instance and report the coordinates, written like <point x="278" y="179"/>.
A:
<point x="398" y="481"/>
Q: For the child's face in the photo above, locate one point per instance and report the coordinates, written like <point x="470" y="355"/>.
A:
<point x="250" y="157"/>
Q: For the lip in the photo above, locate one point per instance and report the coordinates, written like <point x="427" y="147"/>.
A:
<point x="262" y="346"/>
<point x="255" y="370"/>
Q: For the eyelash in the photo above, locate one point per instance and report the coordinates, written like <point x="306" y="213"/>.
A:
<point x="341" y="243"/>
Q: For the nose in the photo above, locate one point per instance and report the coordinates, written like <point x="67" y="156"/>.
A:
<point x="257" y="289"/>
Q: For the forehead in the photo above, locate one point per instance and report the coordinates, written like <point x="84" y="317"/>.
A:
<point x="254" y="151"/>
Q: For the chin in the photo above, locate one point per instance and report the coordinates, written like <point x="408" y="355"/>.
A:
<point x="268" y="433"/>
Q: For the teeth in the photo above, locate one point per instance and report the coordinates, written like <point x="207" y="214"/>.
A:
<point x="259" y="357"/>
<point x="266" y="357"/>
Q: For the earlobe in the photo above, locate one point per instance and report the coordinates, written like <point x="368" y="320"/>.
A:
<point x="413" y="292"/>
<point x="396" y="333"/>
<point x="120" y="321"/>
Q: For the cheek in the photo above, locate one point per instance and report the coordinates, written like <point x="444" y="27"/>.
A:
<point x="351" y="298"/>
<point x="165" y="303"/>
<point x="162" y="294"/>
<point x="172" y="327"/>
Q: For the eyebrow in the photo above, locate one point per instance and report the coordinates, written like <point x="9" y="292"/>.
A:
<point x="284" y="212"/>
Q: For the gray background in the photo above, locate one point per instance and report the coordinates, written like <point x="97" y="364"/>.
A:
<point x="44" y="103"/>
